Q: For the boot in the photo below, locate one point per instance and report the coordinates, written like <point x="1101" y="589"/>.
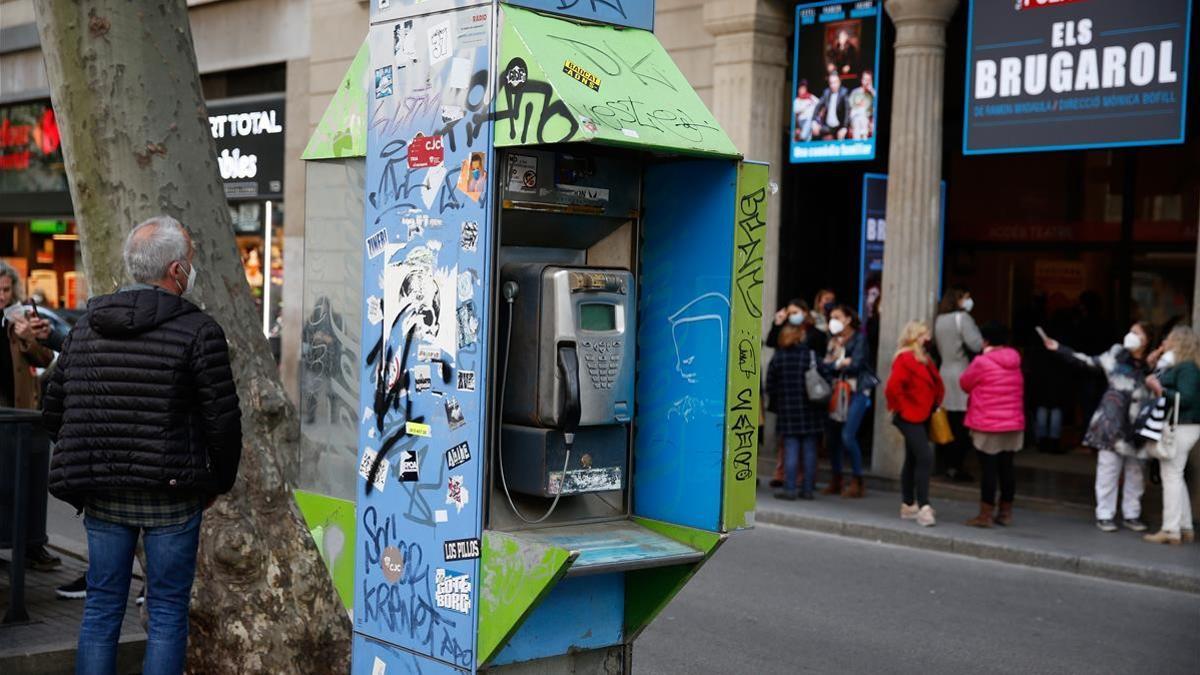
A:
<point x="855" y="489"/>
<point x="984" y="519"/>
<point x="834" y="487"/>
<point x="1004" y="516"/>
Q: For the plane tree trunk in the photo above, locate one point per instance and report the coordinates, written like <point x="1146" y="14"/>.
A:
<point x="137" y="143"/>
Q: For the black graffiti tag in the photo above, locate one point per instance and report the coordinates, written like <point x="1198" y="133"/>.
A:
<point x="610" y="61"/>
<point x="745" y="434"/>
<point x="750" y="265"/>
<point x="516" y="87"/>
<point x="614" y="5"/>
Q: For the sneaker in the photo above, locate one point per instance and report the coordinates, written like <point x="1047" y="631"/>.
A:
<point x="141" y="598"/>
<point x="1163" y="538"/>
<point x="1107" y="525"/>
<point x="909" y="511"/>
<point x="926" y="516"/>
<point x="75" y="590"/>
<point x="42" y="560"/>
<point x="806" y="495"/>
<point x="1134" y="524"/>
<point x="786" y="495"/>
<point x="775" y="483"/>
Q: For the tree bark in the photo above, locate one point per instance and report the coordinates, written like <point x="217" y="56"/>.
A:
<point x="137" y="143"/>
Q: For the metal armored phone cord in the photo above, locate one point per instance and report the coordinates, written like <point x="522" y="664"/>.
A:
<point x="510" y="293"/>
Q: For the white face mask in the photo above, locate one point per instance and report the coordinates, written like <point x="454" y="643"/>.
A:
<point x="191" y="279"/>
<point x="1132" y="341"/>
<point x="968" y="304"/>
<point x="836" y="326"/>
<point x="796" y="319"/>
<point x="1167" y="359"/>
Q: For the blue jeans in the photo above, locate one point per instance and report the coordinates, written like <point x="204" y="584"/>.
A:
<point x="791" y="461"/>
<point x="843" y="437"/>
<point x="170" y="570"/>
<point x="1049" y="423"/>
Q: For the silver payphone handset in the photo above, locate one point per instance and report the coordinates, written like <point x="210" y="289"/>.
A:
<point x="569" y="370"/>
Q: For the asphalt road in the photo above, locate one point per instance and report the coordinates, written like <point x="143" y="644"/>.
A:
<point x="778" y="600"/>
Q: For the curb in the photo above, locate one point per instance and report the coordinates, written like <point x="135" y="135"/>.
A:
<point x="1059" y="562"/>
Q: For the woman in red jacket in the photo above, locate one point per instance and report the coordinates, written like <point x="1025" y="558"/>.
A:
<point x="914" y="390"/>
<point x="996" y="418"/>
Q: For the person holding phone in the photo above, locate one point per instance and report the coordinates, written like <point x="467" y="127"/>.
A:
<point x="19" y="388"/>
<point x="1110" y="431"/>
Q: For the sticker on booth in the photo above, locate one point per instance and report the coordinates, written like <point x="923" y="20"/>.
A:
<point x="425" y="151"/>
<point x="410" y="467"/>
<point x="460" y="549"/>
<point x="457" y="494"/>
<point x="466" y="380"/>
<point x="453" y="591"/>
<point x="392" y="564"/>
<point x="383" y="82"/>
<point x="458" y="455"/>
<point x="522" y="173"/>
<point x="472" y="178"/>
<point x="454" y="414"/>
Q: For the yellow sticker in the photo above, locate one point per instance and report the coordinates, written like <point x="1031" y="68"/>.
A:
<point x="591" y="81"/>
<point x="418" y="429"/>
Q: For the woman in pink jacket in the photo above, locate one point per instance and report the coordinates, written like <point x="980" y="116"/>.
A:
<point x="996" y="418"/>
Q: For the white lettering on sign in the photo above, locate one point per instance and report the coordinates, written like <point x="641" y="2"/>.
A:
<point x="236" y="165"/>
<point x="244" y="124"/>
<point x="453" y="591"/>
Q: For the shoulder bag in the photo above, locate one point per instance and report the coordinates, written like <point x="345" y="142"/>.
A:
<point x="1164" y="450"/>
<point x="815" y="385"/>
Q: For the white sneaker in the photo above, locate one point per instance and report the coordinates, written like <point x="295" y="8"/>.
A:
<point x="925" y="517"/>
<point x="909" y="511"/>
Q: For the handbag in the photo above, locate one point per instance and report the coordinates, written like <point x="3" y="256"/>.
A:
<point x="1164" y="450"/>
<point x="815" y="385"/>
<point x="939" y="428"/>
<point x="839" y="401"/>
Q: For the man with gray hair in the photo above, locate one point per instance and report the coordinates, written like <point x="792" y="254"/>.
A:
<point x="148" y="428"/>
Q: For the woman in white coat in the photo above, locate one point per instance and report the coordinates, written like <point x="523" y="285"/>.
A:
<point x="957" y="339"/>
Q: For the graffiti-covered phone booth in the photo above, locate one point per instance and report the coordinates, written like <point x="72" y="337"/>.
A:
<point x="562" y="260"/>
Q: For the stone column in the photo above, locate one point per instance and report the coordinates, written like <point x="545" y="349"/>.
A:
<point x="911" y="263"/>
<point x="749" y="67"/>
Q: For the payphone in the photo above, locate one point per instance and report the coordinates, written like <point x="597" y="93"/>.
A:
<point x="569" y="378"/>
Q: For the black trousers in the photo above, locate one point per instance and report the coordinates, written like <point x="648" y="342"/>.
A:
<point x="998" y="465"/>
<point x="952" y="455"/>
<point x="918" y="462"/>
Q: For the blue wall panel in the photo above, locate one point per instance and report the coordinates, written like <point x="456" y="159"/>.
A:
<point x="426" y="237"/>
<point x="580" y="613"/>
<point x="635" y="13"/>
<point x="683" y="335"/>
<point x="372" y="657"/>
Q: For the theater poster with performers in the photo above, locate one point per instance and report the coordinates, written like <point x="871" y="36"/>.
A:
<point x="1073" y="74"/>
<point x="833" y="102"/>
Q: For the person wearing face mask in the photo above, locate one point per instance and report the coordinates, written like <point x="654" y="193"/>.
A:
<point x="1110" y="431"/>
<point x="914" y="390"/>
<point x="823" y="305"/>
<point x="145" y="415"/>
<point x="957" y="338"/>
<point x="846" y="361"/>
<point x="796" y="314"/>
<point x="1178" y="374"/>
<point x="800" y="421"/>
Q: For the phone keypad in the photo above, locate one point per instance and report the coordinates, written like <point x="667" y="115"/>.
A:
<point x="603" y="361"/>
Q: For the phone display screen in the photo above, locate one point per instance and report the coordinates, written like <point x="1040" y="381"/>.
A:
<point x="595" y="316"/>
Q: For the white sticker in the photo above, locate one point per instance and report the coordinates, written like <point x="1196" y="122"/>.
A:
<point x="522" y="173"/>
<point x="432" y="185"/>
<point x="367" y="414"/>
<point x="422" y="378"/>
<point x="466" y="284"/>
<point x="630" y="133"/>
<point x="364" y="469"/>
<point x="440" y="516"/>
<point x="380" y="668"/>
<point x="427" y="353"/>
<point x="456" y="493"/>
<point x="453" y="591"/>
<point x="466" y="380"/>
<point x="460" y="73"/>
<point x="453" y="113"/>
<point x="376" y="243"/>
<point x="439" y="43"/>
<point x="374" y="310"/>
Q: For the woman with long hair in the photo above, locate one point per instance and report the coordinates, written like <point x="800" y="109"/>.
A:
<point x="799" y="421"/>
<point x="846" y="363"/>
<point x="1179" y="363"/>
<point x="996" y="418"/>
<point x="957" y="338"/>
<point x="1110" y="431"/>
<point x="914" y="390"/>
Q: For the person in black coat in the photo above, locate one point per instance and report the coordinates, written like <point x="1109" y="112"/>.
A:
<point x="147" y="421"/>
<point x="800" y="421"/>
<point x="832" y="118"/>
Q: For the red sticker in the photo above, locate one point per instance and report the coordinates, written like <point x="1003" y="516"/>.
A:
<point x="425" y="151"/>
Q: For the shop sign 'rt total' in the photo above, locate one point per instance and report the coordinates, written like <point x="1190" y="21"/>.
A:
<point x="1045" y="75"/>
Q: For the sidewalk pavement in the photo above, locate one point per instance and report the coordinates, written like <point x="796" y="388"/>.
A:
<point x="1065" y="541"/>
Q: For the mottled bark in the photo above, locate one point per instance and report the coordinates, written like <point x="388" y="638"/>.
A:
<point x="137" y="143"/>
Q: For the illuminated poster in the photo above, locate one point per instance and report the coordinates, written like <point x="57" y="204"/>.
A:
<point x="874" y="232"/>
<point x="834" y="104"/>
<point x="1057" y="75"/>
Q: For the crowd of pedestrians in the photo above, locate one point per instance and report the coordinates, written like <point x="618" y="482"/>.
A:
<point x="970" y="387"/>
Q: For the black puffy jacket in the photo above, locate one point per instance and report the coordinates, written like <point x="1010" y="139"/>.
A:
<point x="143" y="398"/>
